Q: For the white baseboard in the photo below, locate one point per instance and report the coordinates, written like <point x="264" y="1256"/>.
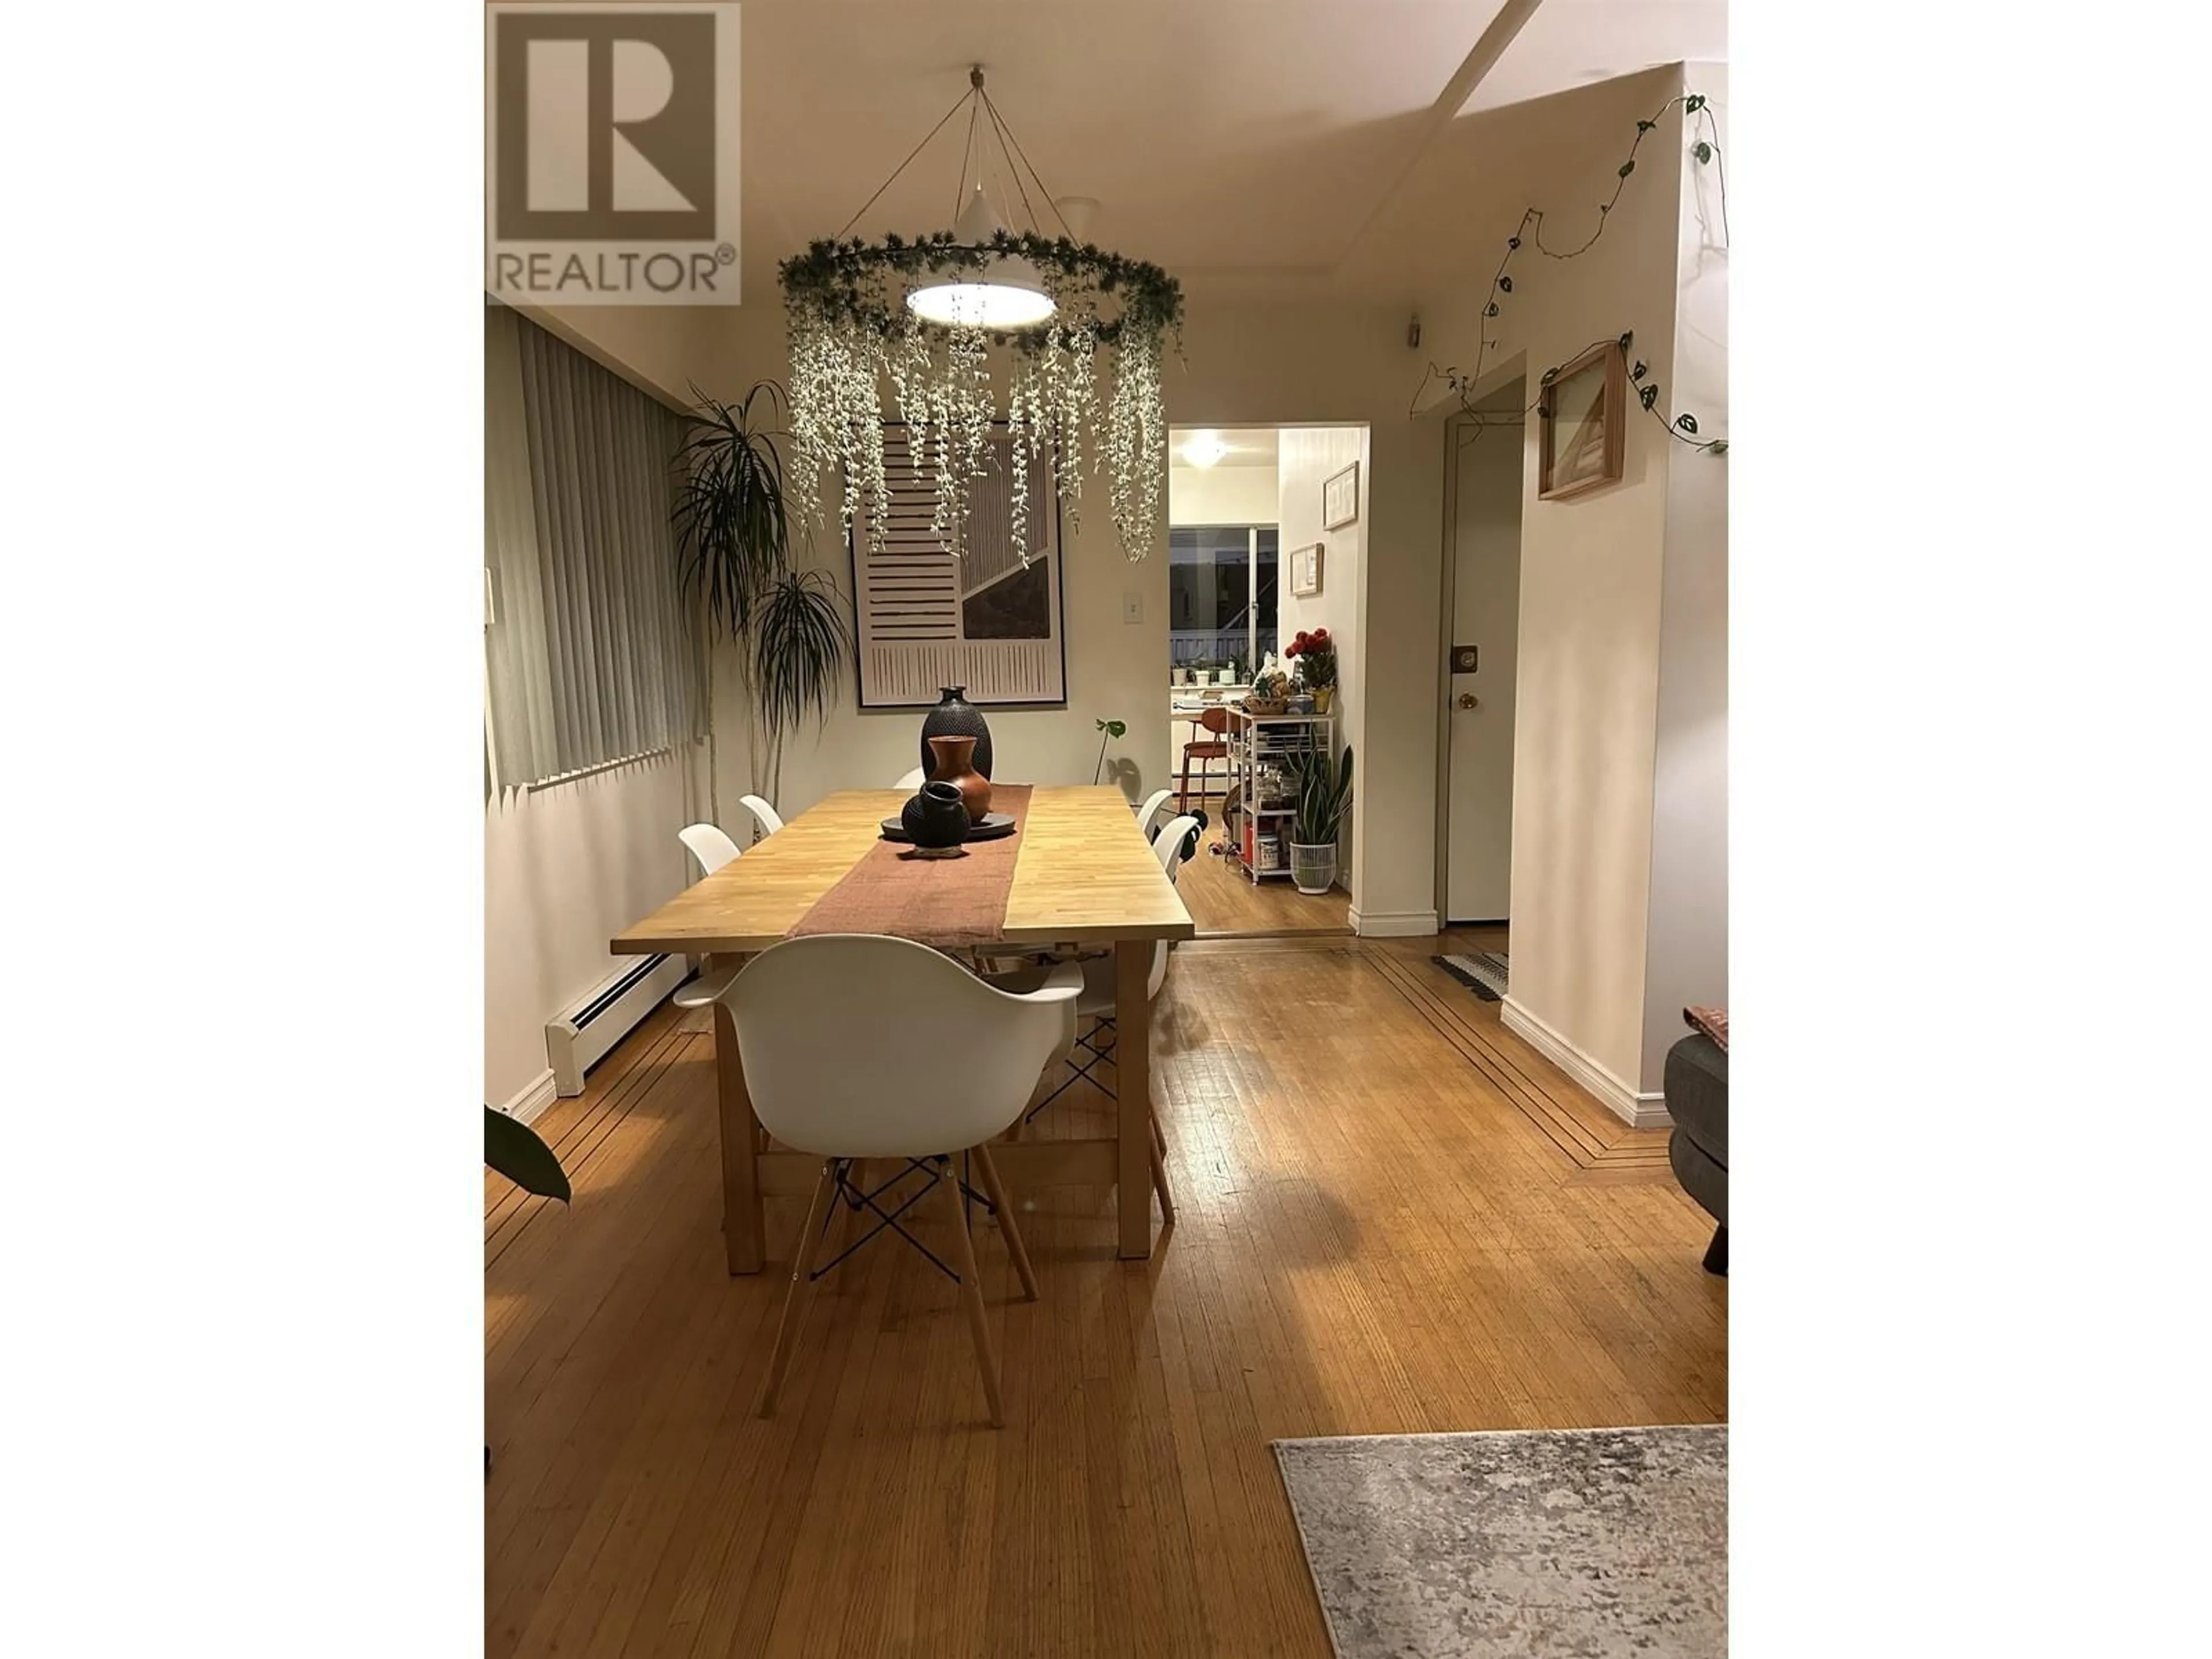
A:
<point x="533" y="1098"/>
<point x="1392" y="924"/>
<point x="1638" y="1111"/>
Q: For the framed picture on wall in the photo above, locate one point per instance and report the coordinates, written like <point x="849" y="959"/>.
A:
<point x="1339" y="499"/>
<point x="1585" y="422"/>
<point x="987" y="619"/>
<point x="1305" y="569"/>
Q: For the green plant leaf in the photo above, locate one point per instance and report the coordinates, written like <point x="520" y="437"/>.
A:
<point x="800" y="642"/>
<point x="514" y="1149"/>
<point x="1116" y="729"/>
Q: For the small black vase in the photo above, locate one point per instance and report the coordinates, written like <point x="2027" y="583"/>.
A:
<point x="936" y="817"/>
<point x="955" y="717"/>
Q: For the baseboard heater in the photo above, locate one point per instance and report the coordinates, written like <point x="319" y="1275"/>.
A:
<point x="578" y="1038"/>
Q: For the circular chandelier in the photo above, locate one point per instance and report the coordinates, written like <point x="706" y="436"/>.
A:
<point x="976" y="328"/>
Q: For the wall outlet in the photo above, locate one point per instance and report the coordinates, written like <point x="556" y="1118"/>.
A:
<point x="1133" y="607"/>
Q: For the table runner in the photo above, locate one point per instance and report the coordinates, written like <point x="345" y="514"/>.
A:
<point x="933" y="901"/>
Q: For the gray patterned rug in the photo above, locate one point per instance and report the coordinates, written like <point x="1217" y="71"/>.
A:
<point x="1485" y="973"/>
<point x="1593" y="1543"/>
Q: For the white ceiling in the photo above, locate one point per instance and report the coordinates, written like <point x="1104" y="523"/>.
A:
<point x="1233" y="141"/>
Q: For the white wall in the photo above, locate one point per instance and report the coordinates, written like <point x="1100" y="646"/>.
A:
<point x="565" y="870"/>
<point x="1221" y="494"/>
<point x="1686" y="952"/>
<point x="1305" y="456"/>
<point x="1607" y="859"/>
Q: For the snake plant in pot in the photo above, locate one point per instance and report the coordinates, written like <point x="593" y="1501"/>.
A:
<point x="734" y="557"/>
<point x="1324" y="796"/>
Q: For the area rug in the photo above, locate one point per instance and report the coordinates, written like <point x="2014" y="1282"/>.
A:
<point x="1594" y="1543"/>
<point x="1484" y="973"/>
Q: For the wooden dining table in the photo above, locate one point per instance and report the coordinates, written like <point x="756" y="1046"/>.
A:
<point x="1084" y="875"/>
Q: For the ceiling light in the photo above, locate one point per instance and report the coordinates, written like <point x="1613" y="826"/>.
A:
<point x="977" y="335"/>
<point x="1204" y="449"/>
<point x="1011" y="292"/>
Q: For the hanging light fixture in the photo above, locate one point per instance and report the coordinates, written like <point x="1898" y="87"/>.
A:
<point x="1011" y="291"/>
<point x="976" y="327"/>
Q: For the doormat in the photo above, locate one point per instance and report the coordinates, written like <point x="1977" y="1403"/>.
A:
<point x="1484" y="973"/>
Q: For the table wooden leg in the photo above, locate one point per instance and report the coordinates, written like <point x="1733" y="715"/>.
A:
<point x="742" y="1235"/>
<point x="1133" y="1089"/>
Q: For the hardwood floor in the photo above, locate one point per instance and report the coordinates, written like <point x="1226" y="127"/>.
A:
<point x="1222" y="900"/>
<point x="1394" y="1216"/>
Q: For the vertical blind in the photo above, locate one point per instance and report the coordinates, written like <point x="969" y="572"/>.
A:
<point x="589" y="655"/>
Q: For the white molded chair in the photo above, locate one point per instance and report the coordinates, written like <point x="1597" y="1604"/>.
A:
<point x="712" y="849"/>
<point x="1096" y="1004"/>
<point x="709" y="846"/>
<point x="770" y="819"/>
<point x="912" y="781"/>
<point x="929" y="1062"/>
<point x="1150" y="810"/>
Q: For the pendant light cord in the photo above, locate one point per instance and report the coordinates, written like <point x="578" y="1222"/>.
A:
<point x="966" y="99"/>
<point x="1012" y="145"/>
<point x="977" y="102"/>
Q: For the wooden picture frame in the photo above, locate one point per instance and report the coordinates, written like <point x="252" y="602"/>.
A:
<point x="1340" y="498"/>
<point x="1306" y="570"/>
<point x="1583" y="413"/>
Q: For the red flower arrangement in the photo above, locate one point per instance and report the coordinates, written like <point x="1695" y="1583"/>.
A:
<point x="1318" y="670"/>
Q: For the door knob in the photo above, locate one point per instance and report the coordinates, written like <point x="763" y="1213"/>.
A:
<point x="1467" y="699"/>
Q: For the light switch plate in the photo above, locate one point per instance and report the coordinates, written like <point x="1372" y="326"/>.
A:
<point x="1133" y="607"/>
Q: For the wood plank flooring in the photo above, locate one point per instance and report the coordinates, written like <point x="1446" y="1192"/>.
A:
<point x="1222" y="900"/>
<point x="1394" y="1216"/>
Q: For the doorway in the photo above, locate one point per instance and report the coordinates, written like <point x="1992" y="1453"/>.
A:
<point x="1482" y="491"/>
<point x="1241" y="502"/>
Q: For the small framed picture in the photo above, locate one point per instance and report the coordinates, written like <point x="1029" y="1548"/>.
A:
<point x="1305" y="569"/>
<point x="1339" y="499"/>
<point x="1584" y="415"/>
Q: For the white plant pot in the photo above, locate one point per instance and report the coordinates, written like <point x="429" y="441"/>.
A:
<point x="1313" y="869"/>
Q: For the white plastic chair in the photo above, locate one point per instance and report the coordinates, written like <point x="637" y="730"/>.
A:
<point x="712" y="849"/>
<point x="1097" y="1003"/>
<point x="709" y="846"/>
<point x="770" y="819"/>
<point x="1150" y="810"/>
<point x="857" y="1046"/>
<point x="912" y="781"/>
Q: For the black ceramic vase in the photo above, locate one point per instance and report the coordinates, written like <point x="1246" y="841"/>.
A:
<point x="955" y="717"/>
<point x="936" y="817"/>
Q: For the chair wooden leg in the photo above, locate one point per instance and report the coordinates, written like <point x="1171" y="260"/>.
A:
<point x="971" y="1292"/>
<point x="1160" y="1174"/>
<point x="995" y="1189"/>
<point x="794" y="1299"/>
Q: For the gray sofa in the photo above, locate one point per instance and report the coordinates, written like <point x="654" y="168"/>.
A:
<point x="1696" y="1087"/>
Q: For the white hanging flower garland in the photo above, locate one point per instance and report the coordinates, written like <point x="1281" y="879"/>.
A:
<point x="851" y="332"/>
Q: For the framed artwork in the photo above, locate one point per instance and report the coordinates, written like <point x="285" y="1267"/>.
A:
<point x="1339" y="499"/>
<point x="982" y="619"/>
<point x="1305" y="569"/>
<point x="1583" y="414"/>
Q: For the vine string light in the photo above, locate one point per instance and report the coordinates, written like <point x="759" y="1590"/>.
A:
<point x="1683" y="428"/>
<point x="940" y="320"/>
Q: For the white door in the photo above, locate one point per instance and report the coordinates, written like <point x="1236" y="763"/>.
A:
<point x="1479" y="704"/>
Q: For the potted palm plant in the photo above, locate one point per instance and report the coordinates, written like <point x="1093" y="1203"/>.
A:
<point x="1324" y="796"/>
<point x="733" y="557"/>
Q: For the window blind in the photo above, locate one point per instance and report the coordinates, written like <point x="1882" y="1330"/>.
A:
<point x="590" y="655"/>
